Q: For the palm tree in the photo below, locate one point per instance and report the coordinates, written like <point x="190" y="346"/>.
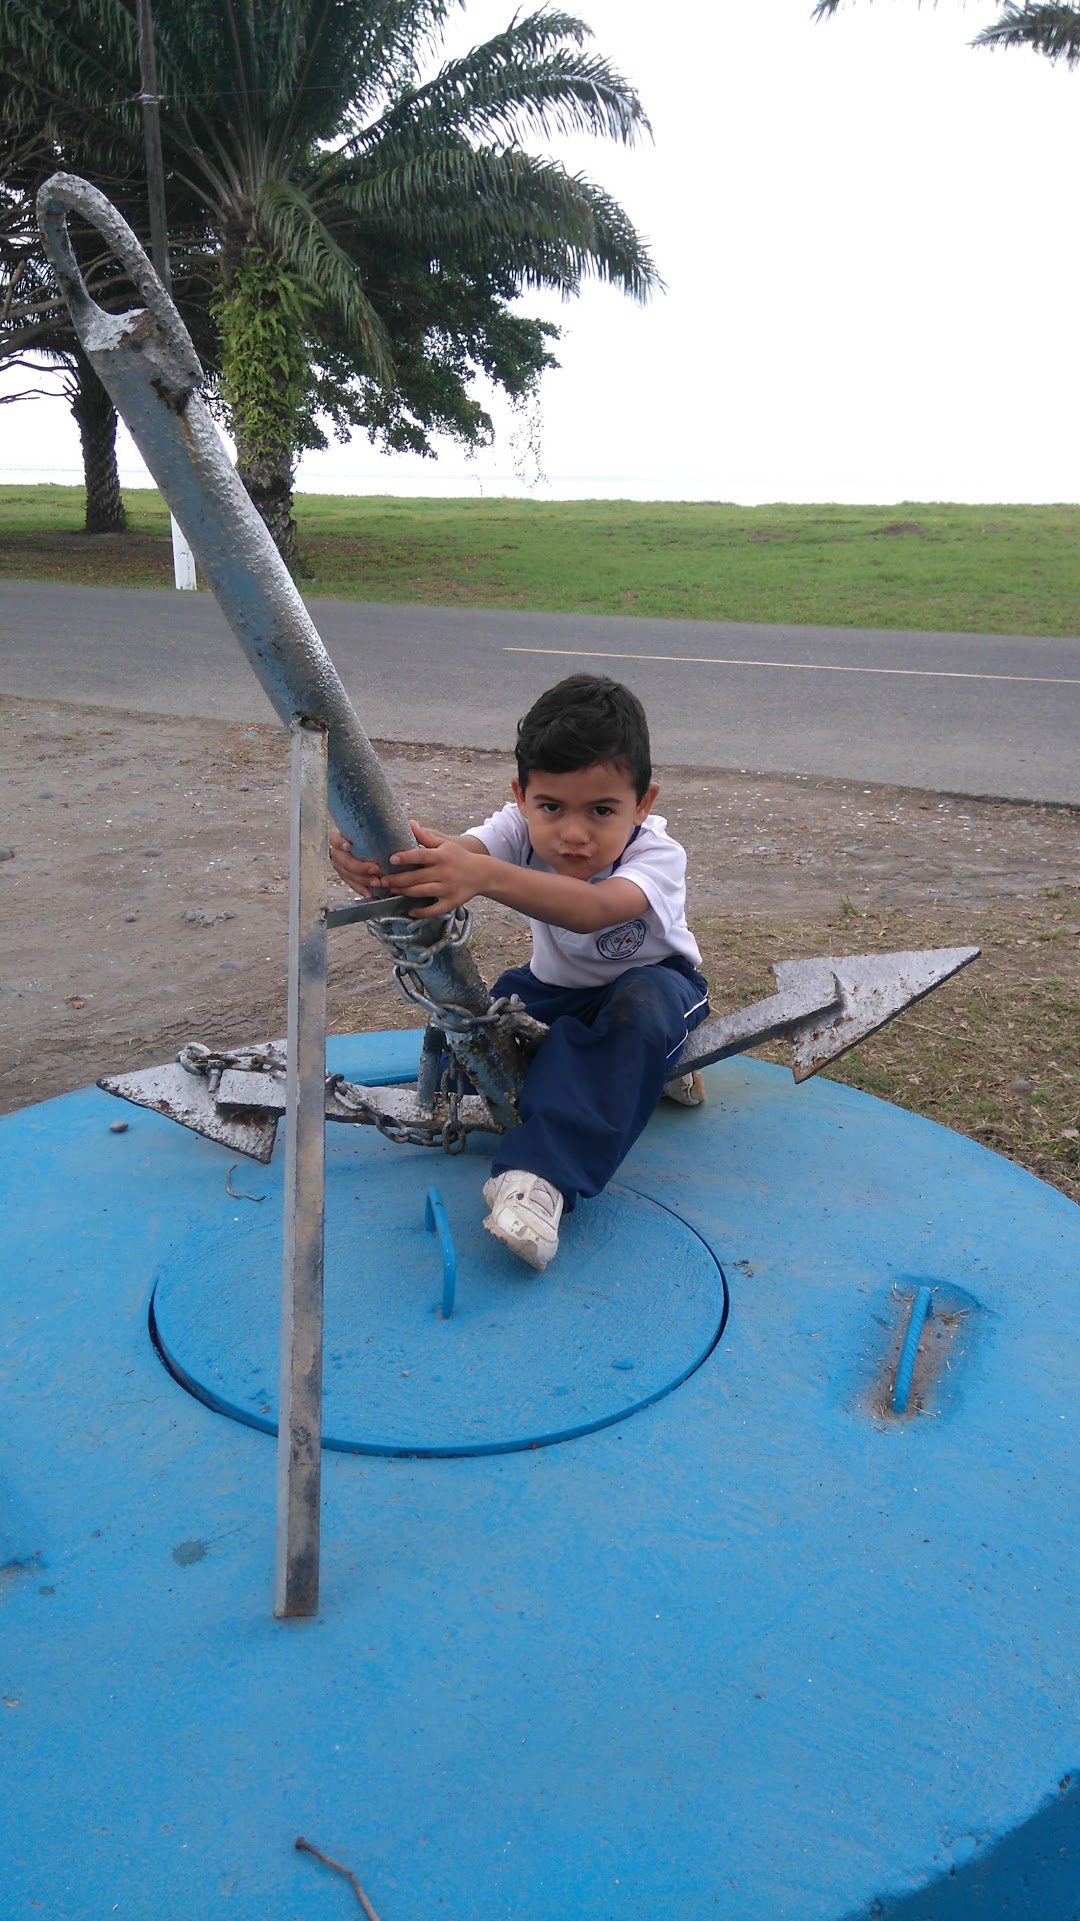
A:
<point x="1050" y="30"/>
<point x="1053" y="31"/>
<point x="373" y="226"/>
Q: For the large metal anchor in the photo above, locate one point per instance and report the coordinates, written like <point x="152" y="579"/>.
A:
<point x="149" y="367"/>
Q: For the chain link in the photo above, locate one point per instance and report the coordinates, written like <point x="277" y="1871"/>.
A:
<point x="455" y="1022"/>
<point x="409" y="960"/>
<point x="197" y="1059"/>
<point x="449" y="1134"/>
<point x="450" y="1018"/>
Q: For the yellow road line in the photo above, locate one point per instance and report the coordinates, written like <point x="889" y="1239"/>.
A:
<point x="797" y="666"/>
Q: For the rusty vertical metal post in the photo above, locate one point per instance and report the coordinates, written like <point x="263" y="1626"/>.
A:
<point x="299" y="1449"/>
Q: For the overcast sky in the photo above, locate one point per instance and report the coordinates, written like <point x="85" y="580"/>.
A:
<point x="866" y="231"/>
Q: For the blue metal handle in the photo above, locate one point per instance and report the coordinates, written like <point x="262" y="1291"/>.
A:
<point x="922" y="1308"/>
<point x="436" y="1223"/>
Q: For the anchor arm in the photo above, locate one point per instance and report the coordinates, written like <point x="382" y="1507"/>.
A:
<point x="826" y="1006"/>
<point x="813" y="994"/>
<point x="874" y="988"/>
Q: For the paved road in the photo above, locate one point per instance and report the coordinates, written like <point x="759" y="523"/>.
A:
<point x="969" y="713"/>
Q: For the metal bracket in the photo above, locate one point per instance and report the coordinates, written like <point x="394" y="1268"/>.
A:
<point x="383" y="907"/>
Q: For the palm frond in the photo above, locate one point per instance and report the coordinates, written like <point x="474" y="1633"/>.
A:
<point x="335" y="59"/>
<point x="67" y="72"/>
<point x="518" y="209"/>
<point x="68" y="51"/>
<point x="532" y="77"/>
<point x="294" y="227"/>
<point x="1050" y="30"/>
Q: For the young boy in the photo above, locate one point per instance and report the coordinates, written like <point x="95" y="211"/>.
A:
<point x="614" y="966"/>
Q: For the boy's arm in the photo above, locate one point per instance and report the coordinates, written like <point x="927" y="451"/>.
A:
<point x="455" y="870"/>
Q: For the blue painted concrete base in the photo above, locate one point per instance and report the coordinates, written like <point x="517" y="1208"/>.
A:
<point x="632" y="1306"/>
<point x="761" y="1650"/>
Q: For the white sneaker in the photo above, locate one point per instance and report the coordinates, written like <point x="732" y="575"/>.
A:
<point x="525" y="1214"/>
<point x="687" y="1091"/>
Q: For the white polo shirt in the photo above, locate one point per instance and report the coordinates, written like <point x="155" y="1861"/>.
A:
<point x="651" y="859"/>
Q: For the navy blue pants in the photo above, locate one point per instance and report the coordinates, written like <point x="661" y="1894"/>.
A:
<point x="596" y="1078"/>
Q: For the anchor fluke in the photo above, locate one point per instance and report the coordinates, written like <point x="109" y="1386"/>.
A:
<point x="873" y="988"/>
<point x="825" y="1005"/>
<point x="188" y="1098"/>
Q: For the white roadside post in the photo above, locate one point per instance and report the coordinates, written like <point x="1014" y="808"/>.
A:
<point x="183" y="559"/>
<point x="299" y="1448"/>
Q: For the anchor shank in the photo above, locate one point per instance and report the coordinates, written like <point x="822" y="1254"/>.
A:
<point x="149" y="368"/>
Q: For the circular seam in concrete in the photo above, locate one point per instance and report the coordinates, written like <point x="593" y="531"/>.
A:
<point x="190" y="1370"/>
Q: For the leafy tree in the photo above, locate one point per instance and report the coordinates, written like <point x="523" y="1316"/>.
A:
<point x="36" y="334"/>
<point x="1050" y="30"/>
<point x="373" y="226"/>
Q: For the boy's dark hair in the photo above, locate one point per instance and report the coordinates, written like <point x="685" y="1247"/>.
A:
<point x="584" y="719"/>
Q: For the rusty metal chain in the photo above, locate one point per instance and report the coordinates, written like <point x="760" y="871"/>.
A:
<point x="449" y="1134"/>
<point x="409" y="960"/>
<point x="456" y="1023"/>
<point x="453" y="1022"/>
<point x="210" y="1064"/>
<point x="197" y="1059"/>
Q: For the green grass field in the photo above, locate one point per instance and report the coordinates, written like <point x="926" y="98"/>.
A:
<point x="974" y="569"/>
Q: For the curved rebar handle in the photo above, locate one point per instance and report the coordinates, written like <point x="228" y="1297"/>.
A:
<point x="65" y="193"/>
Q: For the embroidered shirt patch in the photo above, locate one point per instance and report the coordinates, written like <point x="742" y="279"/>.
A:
<point x="618" y="943"/>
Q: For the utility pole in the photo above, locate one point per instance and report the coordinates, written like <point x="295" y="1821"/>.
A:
<point x="183" y="558"/>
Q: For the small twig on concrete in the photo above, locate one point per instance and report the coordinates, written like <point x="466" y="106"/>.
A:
<point x="232" y="1190"/>
<point x="307" y="1848"/>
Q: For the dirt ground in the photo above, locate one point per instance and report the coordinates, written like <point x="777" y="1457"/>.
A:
<point x="142" y="904"/>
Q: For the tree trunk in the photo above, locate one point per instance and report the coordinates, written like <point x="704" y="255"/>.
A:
<point x="95" y="417"/>
<point x="259" y="310"/>
<point x="269" y="482"/>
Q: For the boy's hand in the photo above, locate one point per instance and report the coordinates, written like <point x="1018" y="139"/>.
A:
<point x="361" y="875"/>
<point x="441" y="867"/>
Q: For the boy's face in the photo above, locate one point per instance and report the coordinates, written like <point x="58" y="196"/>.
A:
<point x="579" y="823"/>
